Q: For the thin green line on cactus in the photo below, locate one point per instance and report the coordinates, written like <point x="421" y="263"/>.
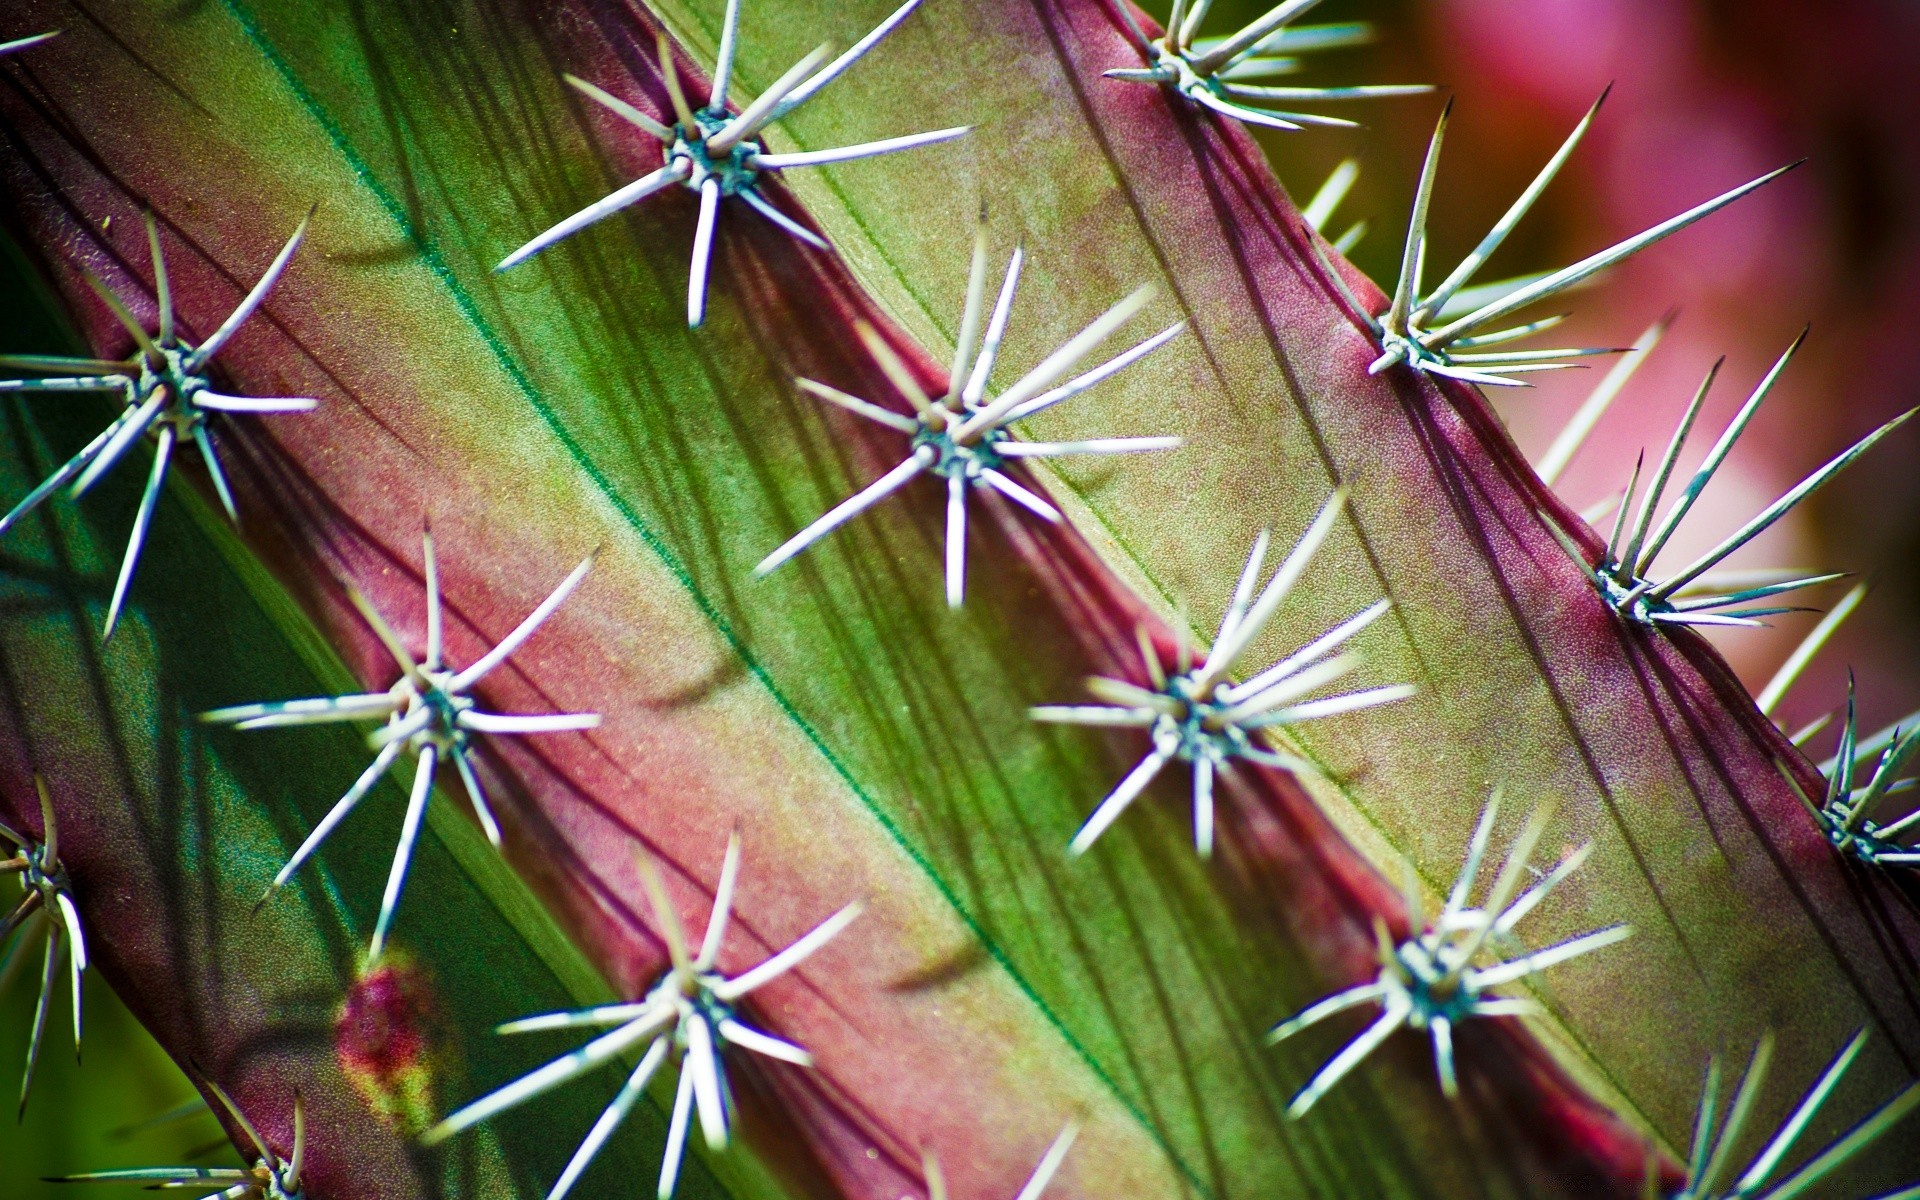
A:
<point x="1043" y="1171"/>
<point x="270" y="1178"/>
<point x="49" y="894"/>
<point x="23" y="43"/>
<point x="1429" y="981"/>
<point x="429" y="711"/>
<point x="1696" y="594"/>
<point x="691" y="1008"/>
<point x="1196" y="716"/>
<point x="1215" y="73"/>
<point x="167" y="394"/>
<point x="1716" y="1135"/>
<point x="1456" y="349"/>
<point x="717" y="154"/>
<point x="965" y="439"/>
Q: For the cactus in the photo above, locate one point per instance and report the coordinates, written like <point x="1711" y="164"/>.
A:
<point x="454" y="486"/>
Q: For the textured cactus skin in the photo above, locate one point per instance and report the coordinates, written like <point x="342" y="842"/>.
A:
<point x="762" y="705"/>
<point x="1655" y="750"/>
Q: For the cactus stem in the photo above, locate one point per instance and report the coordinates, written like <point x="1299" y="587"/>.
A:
<point x="966" y="439"/>
<point x="1197" y="717"/>
<point x="1404" y="330"/>
<point x="167" y="395"/>
<point x="270" y="1178"/>
<point x="1716" y="1135"/>
<point x="1212" y="71"/>
<point x="717" y="153"/>
<point x="691" y="1009"/>
<point x="22" y="43"/>
<point x="1429" y="981"/>
<point x="1693" y="596"/>
<point x="429" y="711"/>
<point x="48" y="892"/>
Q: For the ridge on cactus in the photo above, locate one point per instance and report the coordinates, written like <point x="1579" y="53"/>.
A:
<point x="717" y="154"/>
<point x="270" y="1178"/>
<point x="48" y="894"/>
<point x="1214" y="72"/>
<point x="965" y="439"/>
<point x="1429" y="981"/>
<point x="691" y="1009"/>
<point x="167" y="394"/>
<point x="1456" y="349"/>
<point x="1716" y="1135"/>
<point x="1197" y="716"/>
<point x="429" y="711"/>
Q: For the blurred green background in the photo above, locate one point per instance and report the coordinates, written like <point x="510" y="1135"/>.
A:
<point x="85" y="1116"/>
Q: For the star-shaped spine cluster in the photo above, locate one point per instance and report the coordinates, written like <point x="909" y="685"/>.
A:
<point x="965" y="439"/>
<point x="1445" y="331"/>
<point x="168" y="396"/>
<point x="1435" y="979"/>
<point x="1222" y="73"/>
<point x="1846" y="812"/>
<point x="1198" y="716"/>
<point x="717" y="153"/>
<point x="1696" y="594"/>
<point x="1717" y="1134"/>
<point x="46" y="893"/>
<point x="690" y="1013"/>
<point x="429" y="710"/>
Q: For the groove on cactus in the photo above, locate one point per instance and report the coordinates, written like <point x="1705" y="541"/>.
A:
<point x="167" y="394"/>
<point x="965" y="439"/>
<point x="717" y="153"/>
<point x="691" y="1010"/>
<point x="429" y="711"/>
<point x="48" y="895"/>
<point x="1197" y="716"/>
<point x="1430" y="982"/>
<point x="1216" y="72"/>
